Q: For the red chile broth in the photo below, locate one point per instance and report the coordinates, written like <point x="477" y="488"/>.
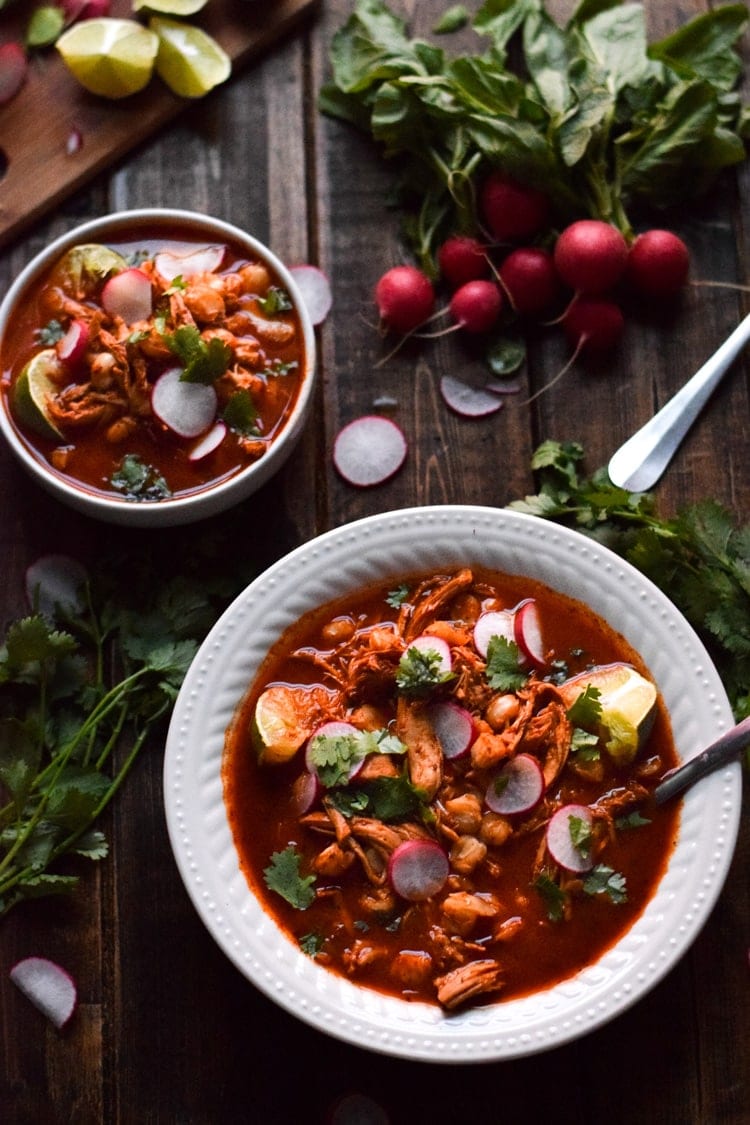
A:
<point x="85" y="454"/>
<point x="538" y="952"/>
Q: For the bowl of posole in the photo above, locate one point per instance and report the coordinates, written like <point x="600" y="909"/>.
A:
<point x="157" y="367"/>
<point x="378" y="550"/>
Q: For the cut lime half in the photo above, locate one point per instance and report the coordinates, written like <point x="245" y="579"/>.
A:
<point x="110" y="57"/>
<point x="32" y="390"/>
<point x="189" y="61"/>
<point x="179" y="8"/>
<point x="628" y="705"/>
<point x="285" y="717"/>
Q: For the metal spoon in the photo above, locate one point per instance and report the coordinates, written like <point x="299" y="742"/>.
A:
<point x="727" y="747"/>
<point x="638" y="464"/>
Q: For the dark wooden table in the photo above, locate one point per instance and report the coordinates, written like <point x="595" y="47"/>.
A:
<point x="167" y="1030"/>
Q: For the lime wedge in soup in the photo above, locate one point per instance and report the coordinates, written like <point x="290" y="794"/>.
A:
<point x="628" y="705"/>
<point x="83" y="268"/>
<point x="285" y="716"/>
<point x="32" y="390"/>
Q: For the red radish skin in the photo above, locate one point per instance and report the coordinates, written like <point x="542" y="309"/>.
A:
<point x="494" y="623"/>
<point x="427" y="643"/>
<point x="469" y="401"/>
<point x="454" y="726"/>
<point x="658" y="264"/>
<point x="405" y="298"/>
<point x="206" y="259"/>
<point x="418" y="869"/>
<point x="315" y="290"/>
<point x="593" y="325"/>
<point x="476" y="306"/>
<point x="71" y="349"/>
<point x="590" y="256"/>
<point x="517" y="788"/>
<point x="527" y="632"/>
<point x="209" y="443"/>
<point x="560" y="843"/>
<point x="13" y="68"/>
<point x="530" y="280"/>
<point x="461" y="259"/>
<point x="369" y="450"/>
<point x="512" y="211"/>
<point x="48" y="986"/>
<point x="188" y="409"/>
<point x="128" y="295"/>
<point x="305" y="793"/>
<point x="56" y="583"/>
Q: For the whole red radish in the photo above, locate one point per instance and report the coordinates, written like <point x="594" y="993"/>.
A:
<point x="530" y="279"/>
<point x="512" y="211"/>
<point x="593" y="324"/>
<point x="13" y="67"/>
<point x="590" y="256"/>
<point x="462" y="258"/>
<point x="658" y="264"/>
<point x="476" y="306"/>
<point x="404" y="297"/>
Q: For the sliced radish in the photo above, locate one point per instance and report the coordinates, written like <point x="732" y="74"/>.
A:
<point x="494" y="623"/>
<point x="128" y="295"/>
<point x="334" y="729"/>
<point x="427" y="643"/>
<point x="517" y="787"/>
<point x="72" y="347"/>
<point x="13" y="67"/>
<point x="206" y="259"/>
<point x="369" y="450"/>
<point x="528" y="632"/>
<point x="454" y="727"/>
<point x="209" y="443"/>
<point x="561" y="842"/>
<point x="306" y="790"/>
<point x="467" y="400"/>
<point x="188" y="409"/>
<point x="74" y="141"/>
<point x="503" y="386"/>
<point x="56" y="583"/>
<point x="418" y="869"/>
<point x="315" y="289"/>
<point x="48" y="986"/>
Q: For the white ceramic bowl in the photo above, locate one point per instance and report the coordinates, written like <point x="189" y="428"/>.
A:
<point x="208" y="501"/>
<point x="398" y="543"/>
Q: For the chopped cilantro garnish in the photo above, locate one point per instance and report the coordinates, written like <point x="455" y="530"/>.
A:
<point x="584" y="745"/>
<point x="275" y="301"/>
<point x="278" y="367"/>
<point x="633" y="819"/>
<point x="336" y="756"/>
<point x="553" y="897"/>
<point x="603" y="880"/>
<point x="586" y="710"/>
<point x="311" y="944"/>
<point x="138" y="481"/>
<point x="503" y="670"/>
<point x="420" y="670"/>
<point x="241" y="414"/>
<point x="203" y="361"/>
<point x="397" y="597"/>
<point x="50" y="333"/>
<point x="283" y="876"/>
<point x="581" y="835"/>
<point x="389" y="799"/>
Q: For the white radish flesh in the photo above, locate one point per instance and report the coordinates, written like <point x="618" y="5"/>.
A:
<point x="516" y="788"/>
<point x="494" y="623"/>
<point x="369" y="450"/>
<point x="427" y="643"/>
<point x="528" y="632"/>
<point x="56" y="583"/>
<point x="48" y="986"/>
<point x="418" y="869"/>
<point x="469" y="401"/>
<point x="188" y="409"/>
<point x="561" y="845"/>
<point x="305" y="792"/>
<point x="454" y="727"/>
<point x="333" y="729"/>
<point x="315" y="290"/>
<point x="72" y="347"/>
<point x="206" y="259"/>
<point x="209" y="443"/>
<point x="128" y="295"/>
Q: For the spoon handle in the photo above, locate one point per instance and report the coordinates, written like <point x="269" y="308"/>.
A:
<point x="727" y="747"/>
<point x="638" y="464"/>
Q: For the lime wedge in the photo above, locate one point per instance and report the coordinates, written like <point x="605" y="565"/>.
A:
<point x="189" y="61"/>
<point x="628" y="705"/>
<point x="84" y="267"/>
<point x="32" y="390"/>
<point x="180" y="8"/>
<point x="285" y="717"/>
<point x="110" y="57"/>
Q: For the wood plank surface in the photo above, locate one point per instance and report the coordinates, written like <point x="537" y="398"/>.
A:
<point x="168" y="1031"/>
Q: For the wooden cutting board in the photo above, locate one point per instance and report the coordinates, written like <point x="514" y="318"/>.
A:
<point x="37" y="170"/>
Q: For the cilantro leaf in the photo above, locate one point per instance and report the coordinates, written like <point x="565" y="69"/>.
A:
<point x="203" y="361"/>
<point x="420" y="671"/>
<point x="241" y="413"/>
<point x="283" y="876"/>
<point x="503" y="670"/>
<point x="139" y="481"/>
<point x="604" y="880"/>
<point x="275" y="301"/>
<point x="335" y="757"/>
<point x="586" y="710"/>
<point x="552" y="895"/>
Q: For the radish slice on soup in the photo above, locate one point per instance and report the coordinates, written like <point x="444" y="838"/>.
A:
<point x="427" y="643"/>
<point x="306" y="790"/>
<point x="48" y="986"/>
<point x="418" y="869"/>
<point x="206" y="259"/>
<point x="568" y="838"/>
<point x="454" y="727"/>
<point x="188" y="409"/>
<point x="494" y="623"/>
<point x="517" y="787"/>
<point x="315" y="290"/>
<point x="334" y="729"/>
<point x="369" y="450"/>
<point x="128" y="295"/>
<point x="72" y="347"/>
<point x="210" y="442"/>
<point x="528" y="632"/>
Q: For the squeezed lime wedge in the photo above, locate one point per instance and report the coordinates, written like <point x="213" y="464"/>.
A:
<point x="110" y="57"/>
<point x="189" y="60"/>
<point x="628" y="705"/>
<point x="32" y="390"/>
<point x="281" y="722"/>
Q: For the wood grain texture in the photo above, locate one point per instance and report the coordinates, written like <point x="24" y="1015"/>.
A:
<point x="169" y="1033"/>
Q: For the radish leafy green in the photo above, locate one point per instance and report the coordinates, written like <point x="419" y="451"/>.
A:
<point x="592" y="114"/>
